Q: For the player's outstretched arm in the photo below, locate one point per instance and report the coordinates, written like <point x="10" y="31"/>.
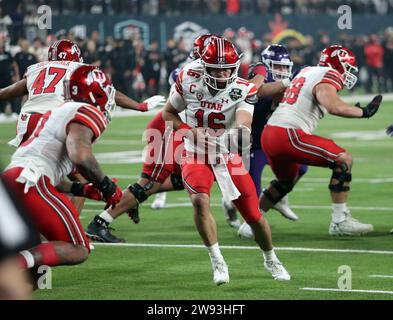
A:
<point x="272" y="88"/>
<point x="125" y="102"/>
<point x="326" y="95"/>
<point x="16" y="90"/>
<point x="79" y="148"/>
<point x="170" y="114"/>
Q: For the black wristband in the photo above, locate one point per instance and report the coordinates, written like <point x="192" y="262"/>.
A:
<point x="77" y="189"/>
<point x="107" y="187"/>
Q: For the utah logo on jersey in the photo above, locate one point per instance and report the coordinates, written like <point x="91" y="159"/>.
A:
<point x="199" y="96"/>
<point x="235" y="94"/>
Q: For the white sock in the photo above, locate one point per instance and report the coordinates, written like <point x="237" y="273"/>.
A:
<point x="338" y="214"/>
<point x="106" y="216"/>
<point x="269" y="255"/>
<point x="214" y="252"/>
<point x="28" y="257"/>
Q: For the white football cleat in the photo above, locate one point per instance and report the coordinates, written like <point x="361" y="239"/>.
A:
<point x="220" y="272"/>
<point x="230" y="214"/>
<point x="277" y="270"/>
<point x="349" y="227"/>
<point x="245" y="231"/>
<point x="283" y="207"/>
<point x="159" y="201"/>
<point x="391" y="231"/>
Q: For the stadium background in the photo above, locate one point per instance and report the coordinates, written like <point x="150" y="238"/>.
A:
<point x="138" y="43"/>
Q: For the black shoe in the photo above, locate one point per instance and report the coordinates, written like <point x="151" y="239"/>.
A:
<point x="98" y="230"/>
<point x="133" y="213"/>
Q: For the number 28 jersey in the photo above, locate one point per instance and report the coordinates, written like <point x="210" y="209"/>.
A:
<point x="299" y="109"/>
<point x="202" y="109"/>
<point x="45" y="85"/>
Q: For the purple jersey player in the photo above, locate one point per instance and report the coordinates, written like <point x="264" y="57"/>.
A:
<point x="276" y="66"/>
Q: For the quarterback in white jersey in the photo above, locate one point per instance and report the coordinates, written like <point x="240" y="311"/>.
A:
<point x="217" y="106"/>
<point x="63" y="139"/>
<point x="288" y="141"/>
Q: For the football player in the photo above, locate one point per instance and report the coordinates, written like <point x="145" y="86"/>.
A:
<point x="288" y="141"/>
<point x="198" y="46"/>
<point x="161" y="171"/>
<point x="276" y="66"/>
<point x="62" y="140"/>
<point x="215" y="99"/>
<point x="43" y="83"/>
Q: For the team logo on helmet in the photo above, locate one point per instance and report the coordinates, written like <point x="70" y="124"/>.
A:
<point x="235" y="94"/>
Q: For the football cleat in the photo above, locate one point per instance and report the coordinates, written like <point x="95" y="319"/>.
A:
<point x="230" y="214"/>
<point x="349" y="227"/>
<point x="98" y="230"/>
<point x="245" y="231"/>
<point x="391" y="231"/>
<point x="283" y="207"/>
<point x="277" y="270"/>
<point x="220" y="272"/>
<point x="159" y="201"/>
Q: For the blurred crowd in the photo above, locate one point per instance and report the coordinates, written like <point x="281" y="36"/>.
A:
<point x="139" y="70"/>
<point x="202" y="7"/>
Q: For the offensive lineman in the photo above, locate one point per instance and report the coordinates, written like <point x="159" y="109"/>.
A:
<point x="288" y="140"/>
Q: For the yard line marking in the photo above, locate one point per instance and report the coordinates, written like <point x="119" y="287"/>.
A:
<point x="199" y="246"/>
<point x="304" y="179"/>
<point x="215" y="205"/>
<point x="380" y="276"/>
<point x="344" y="290"/>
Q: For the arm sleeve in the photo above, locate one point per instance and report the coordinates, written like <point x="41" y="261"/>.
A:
<point x="176" y="99"/>
<point x="91" y="118"/>
<point x="334" y="78"/>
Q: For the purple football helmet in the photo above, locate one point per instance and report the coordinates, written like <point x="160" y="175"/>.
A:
<point x="277" y="61"/>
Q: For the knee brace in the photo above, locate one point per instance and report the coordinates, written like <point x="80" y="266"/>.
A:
<point x="283" y="188"/>
<point x="138" y="191"/>
<point x="177" y="182"/>
<point x="342" y="176"/>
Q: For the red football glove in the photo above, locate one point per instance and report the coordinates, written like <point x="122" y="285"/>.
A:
<point x="143" y="107"/>
<point x="87" y="190"/>
<point x="111" y="192"/>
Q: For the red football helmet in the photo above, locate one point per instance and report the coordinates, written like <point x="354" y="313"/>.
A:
<point x="219" y="53"/>
<point x="200" y="43"/>
<point x="89" y="84"/>
<point x="64" y="50"/>
<point x="343" y="60"/>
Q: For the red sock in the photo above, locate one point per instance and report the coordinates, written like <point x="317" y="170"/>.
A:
<point x="48" y="253"/>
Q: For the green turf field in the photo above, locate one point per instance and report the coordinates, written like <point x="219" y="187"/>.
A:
<point x="138" y="271"/>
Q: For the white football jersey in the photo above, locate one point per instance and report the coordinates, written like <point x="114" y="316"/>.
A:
<point x="45" y="85"/>
<point x="44" y="153"/>
<point x="202" y="109"/>
<point x="299" y="109"/>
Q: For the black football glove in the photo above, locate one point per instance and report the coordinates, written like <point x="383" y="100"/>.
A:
<point x="389" y="130"/>
<point x="372" y="107"/>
